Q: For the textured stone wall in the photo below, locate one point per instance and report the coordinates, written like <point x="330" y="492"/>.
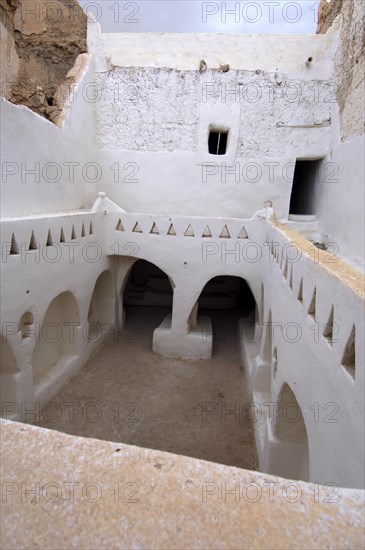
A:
<point x="328" y="11"/>
<point x="148" y="109"/>
<point x="9" y="59"/>
<point x="349" y="61"/>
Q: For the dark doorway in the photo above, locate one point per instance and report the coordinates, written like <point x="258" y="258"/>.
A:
<point x="226" y="292"/>
<point x="226" y="299"/>
<point x="303" y="195"/>
<point x="147" y="285"/>
<point x="147" y="299"/>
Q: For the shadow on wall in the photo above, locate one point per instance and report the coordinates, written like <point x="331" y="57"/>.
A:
<point x="57" y="338"/>
<point x="290" y="430"/>
<point x="101" y="315"/>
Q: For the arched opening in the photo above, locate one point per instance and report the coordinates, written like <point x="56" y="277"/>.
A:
<point x="57" y="338"/>
<point x="292" y="458"/>
<point x="8" y="370"/>
<point x="189" y="407"/>
<point x="25" y="325"/>
<point x="101" y="315"/>
<point x="224" y="300"/>
<point x="147" y="298"/>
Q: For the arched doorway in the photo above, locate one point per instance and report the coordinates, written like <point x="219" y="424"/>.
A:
<point x="57" y="338"/>
<point x="147" y="298"/>
<point x="291" y="458"/>
<point x="223" y="301"/>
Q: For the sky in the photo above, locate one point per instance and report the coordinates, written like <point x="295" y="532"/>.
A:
<point x="246" y="16"/>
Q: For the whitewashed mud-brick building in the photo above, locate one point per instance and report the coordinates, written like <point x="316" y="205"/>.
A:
<point x="190" y="172"/>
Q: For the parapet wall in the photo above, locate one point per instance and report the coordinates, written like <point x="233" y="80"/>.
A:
<point x="69" y="492"/>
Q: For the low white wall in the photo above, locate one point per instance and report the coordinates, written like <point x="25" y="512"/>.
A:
<point x="36" y="277"/>
<point x="330" y="397"/>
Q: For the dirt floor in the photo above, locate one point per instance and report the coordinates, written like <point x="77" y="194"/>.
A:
<point x="128" y="394"/>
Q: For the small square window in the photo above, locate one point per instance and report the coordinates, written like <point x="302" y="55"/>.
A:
<point x="217" y="142"/>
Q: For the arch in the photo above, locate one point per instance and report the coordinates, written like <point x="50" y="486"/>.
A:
<point x="57" y="338"/>
<point x="222" y="292"/>
<point x="220" y="280"/>
<point x="25" y="323"/>
<point x="147" y="286"/>
<point x="132" y="266"/>
<point x="148" y="279"/>
<point x="227" y="292"/>
<point x="290" y="430"/>
<point x="101" y="314"/>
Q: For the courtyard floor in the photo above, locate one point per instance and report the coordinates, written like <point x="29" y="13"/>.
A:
<point x="126" y="393"/>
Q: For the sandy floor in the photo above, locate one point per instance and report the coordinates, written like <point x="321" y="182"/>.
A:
<point x="128" y="394"/>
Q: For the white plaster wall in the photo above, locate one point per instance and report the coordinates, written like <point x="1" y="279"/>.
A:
<point x="155" y="108"/>
<point x="29" y="139"/>
<point x="35" y="278"/>
<point x="341" y="200"/>
<point x="330" y="399"/>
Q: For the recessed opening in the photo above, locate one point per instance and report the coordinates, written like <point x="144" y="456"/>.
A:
<point x="312" y="305"/>
<point x="349" y="354"/>
<point x="25" y="325"/>
<point x="14" y="248"/>
<point x="217" y="142"/>
<point x="305" y="183"/>
<point x="292" y="453"/>
<point x="147" y="286"/>
<point x="54" y="346"/>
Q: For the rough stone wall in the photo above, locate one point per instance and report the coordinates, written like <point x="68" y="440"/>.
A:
<point x="9" y="58"/>
<point x="49" y="35"/>
<point x="349" y="62"/>
<point x="328" y="11"/>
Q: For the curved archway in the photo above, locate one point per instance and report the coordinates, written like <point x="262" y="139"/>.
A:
<point x="57" y="338"/>
<point x="147" y="294"/>
<point x="224" y="300"/>
<point x="25" y="324"/>
<point x="101" y="315"/>
<point x="290" y="430"/>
